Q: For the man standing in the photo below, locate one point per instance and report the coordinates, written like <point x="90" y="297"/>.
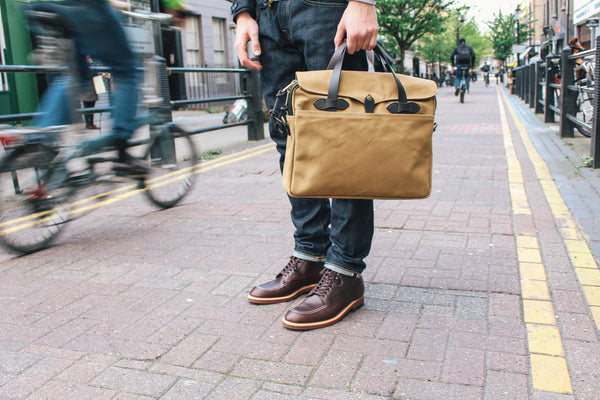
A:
<point x="463" y="58"/>
<point x="332" y="237"/>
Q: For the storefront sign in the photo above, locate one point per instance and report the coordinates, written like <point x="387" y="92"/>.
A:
<point x="585" y="9"/>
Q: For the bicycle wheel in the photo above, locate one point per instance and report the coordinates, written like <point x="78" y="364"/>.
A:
<point x="462" y="94"/>
<point x="173" y="162"/>
<point x="32" y="208"/>
<point x="585" y="111"/>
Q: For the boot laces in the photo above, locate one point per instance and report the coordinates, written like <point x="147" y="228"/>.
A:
<point x="291" y="266"/>
<point x="329" y="280"/>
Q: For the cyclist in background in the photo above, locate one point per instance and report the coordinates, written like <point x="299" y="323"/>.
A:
<point x="96" y="31"/>
<point x="463" y="56"/>
<point x="485" y="69"/>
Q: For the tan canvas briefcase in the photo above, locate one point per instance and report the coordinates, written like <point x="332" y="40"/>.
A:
<point x="359" y="135"/>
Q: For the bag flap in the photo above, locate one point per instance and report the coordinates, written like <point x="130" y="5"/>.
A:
<point x="357" y="84"/>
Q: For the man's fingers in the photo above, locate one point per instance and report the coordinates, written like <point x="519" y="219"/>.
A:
<point x="339" y="36"/>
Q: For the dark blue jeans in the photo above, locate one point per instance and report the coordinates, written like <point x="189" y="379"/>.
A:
<point x="459" y="76"/>
<point x="97" y="32"/>
<point x="297" y="35"/>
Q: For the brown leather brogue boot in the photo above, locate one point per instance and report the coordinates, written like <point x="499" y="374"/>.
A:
<point x="298" y="276"/>
<point x="334" y="296"/>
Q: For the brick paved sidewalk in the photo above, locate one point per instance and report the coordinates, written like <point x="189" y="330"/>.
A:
<point x="473" y="293"/>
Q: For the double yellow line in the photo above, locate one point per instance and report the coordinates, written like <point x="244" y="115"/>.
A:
<point x="124" y="192"/>
<point x="547" y="354"/>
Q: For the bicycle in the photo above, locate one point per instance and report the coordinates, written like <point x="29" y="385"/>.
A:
<point x="584" y="102"/>
<point x="462" y="88"/>
<point x="48" y="178"/>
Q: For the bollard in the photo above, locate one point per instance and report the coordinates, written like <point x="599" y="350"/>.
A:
<point x="539" y="73"/>
<point x="549" y="91"/>
<point x="256" y="128"/>
<point x="595" y="145"/>
<point x="567" y="98"/>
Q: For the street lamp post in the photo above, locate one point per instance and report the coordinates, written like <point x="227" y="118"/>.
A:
<point x="461" y="20"/>
<point x="518" y="18"/>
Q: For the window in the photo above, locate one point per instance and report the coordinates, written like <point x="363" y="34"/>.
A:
<point x="219" y="42"/>
<point x="193" y="43"/>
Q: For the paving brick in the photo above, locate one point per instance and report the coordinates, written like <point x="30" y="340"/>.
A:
<point x="397" y="326"/>
<point x="401" y="367"/>
<point x="503" y="385"/>
<point x="189" y="389"/>
<point x="428" y="345"/>
<point x="311" y="348"/>
<point x="424" y="390"/>
<point x="272" y="371"/>
<point x="58" y="390"/>
<point x="189" y="350"/>
<point x="132" y="381"/>
<point x="87" y="368"/>
<point x="464" y="365"/>
<point x="505" y="362"/>
<point x="337" y="370"/>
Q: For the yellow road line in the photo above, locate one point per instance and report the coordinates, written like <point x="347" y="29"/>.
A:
<point x="549" y="368"/>
<point x="581" y="256"/>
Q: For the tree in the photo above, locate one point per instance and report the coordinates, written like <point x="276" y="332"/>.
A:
<point x="439" y="47"/>
<point x="503" y="31"/>
<point x="404" y="22"/>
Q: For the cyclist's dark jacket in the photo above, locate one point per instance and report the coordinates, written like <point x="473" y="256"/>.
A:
<point x="458" y="50"/>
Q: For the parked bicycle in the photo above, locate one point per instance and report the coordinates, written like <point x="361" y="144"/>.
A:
<point x="584" y="103"/>
<point x="48" y="176"/>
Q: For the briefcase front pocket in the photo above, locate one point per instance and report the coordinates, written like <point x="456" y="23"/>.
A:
<point x="374" y="156"/>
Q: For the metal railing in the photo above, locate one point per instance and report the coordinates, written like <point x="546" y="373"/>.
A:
<point x="549" y="87"/>
<point x="248" y="88"/>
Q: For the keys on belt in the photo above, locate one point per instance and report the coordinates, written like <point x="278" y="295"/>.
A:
<point x="270" y="3"/>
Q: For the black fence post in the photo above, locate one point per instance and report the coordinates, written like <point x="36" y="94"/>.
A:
<point x="539" y="73"/>
<point x="522" y="83"/>
<point x="527" y="83"/>
<point x="567" y="98"/>
<point x="256" y="128"/>
<point x="532" y="84"/>
<point x="549" y="91"/>
<point x="513" y="89"/>
<point x="595" y="145"/>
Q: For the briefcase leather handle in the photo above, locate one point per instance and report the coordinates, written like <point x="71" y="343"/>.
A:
<point x="333" y="103"/>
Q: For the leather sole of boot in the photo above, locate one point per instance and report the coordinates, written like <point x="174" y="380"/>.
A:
<point x="273" y="300"/>
<point x="321" y="324"/>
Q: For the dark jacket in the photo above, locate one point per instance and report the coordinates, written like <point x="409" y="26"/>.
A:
<point x="239" y="6"/>
<point x="463" y="48"/>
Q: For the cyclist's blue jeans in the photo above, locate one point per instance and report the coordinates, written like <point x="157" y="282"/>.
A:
<point x="459" y="75"/>
<point x="298" y="35"/>
<point x="98" y="33"/>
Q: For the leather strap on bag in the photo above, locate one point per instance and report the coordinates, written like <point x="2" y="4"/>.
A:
<point x="333" y="103"/>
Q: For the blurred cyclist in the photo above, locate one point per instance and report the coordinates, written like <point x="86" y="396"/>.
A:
<point x="463" y="56"/>
<point x="96" y="31"/>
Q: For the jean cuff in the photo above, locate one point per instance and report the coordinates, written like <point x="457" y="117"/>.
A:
<point x="342" y="270"/>
<point x="307" y="257"/>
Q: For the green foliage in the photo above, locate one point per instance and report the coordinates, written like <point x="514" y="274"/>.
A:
<point x="404" y="22"/>
<point x="439" y="47"/>
<point x="503" y="35"/>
